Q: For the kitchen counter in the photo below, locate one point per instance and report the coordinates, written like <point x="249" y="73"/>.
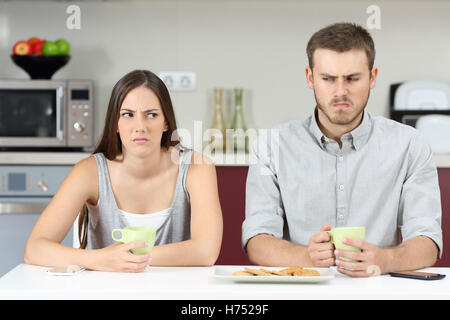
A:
<point x="70" y="158"/>
<point x="193" y="283"/>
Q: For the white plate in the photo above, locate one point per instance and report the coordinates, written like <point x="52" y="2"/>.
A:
<point x="226" y="273"/>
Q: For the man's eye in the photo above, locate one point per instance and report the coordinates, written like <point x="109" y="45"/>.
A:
<point x="353" y="79"/>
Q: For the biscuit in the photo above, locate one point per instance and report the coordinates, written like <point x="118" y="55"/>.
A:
<point x="257" y="272"/>
<point x="306" y="273"/>
<point x="292" y="271"/>
<point x="242" y="273"/>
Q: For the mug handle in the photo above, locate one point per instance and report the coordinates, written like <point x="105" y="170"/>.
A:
<point x="121" y="235"/>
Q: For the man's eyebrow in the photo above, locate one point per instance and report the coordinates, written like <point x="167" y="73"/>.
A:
<point x="345" y="76"/>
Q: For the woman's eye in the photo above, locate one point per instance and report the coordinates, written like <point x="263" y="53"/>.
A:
<point x="152" y="115"/>
<point x="127" y="114"/>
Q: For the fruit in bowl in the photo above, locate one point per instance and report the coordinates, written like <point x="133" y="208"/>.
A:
<point x="22" y="48"/>
<point x="41" y="58"/>
<point x="50" y="48"/>
<point x="37" y="46"/>
<point x="63" y="47"/>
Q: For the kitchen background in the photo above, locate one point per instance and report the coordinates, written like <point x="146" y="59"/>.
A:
<point x="256" y="44"/>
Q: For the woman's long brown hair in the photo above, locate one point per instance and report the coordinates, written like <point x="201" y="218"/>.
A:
<point x="110" y="144"/>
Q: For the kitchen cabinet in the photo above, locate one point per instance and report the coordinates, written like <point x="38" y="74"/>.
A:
<point x="231" y="181"/>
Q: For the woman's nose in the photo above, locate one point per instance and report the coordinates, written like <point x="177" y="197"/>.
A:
<point x="140" y="124"/>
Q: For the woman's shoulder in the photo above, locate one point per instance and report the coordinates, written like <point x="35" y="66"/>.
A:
<point x="85" y="169"/>
<point x="199" y="160"/>
<point x="201" y="168"/>
<point x="87" y="164"/>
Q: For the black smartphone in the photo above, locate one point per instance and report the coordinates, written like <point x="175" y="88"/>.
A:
<point x="417" y="275"/>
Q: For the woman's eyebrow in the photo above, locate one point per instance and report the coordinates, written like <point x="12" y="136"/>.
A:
<point x="130" y="110"/>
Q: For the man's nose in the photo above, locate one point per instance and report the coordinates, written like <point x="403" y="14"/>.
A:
<point x="341" y="88"/>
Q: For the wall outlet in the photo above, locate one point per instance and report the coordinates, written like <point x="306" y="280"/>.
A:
<point x="179" y="81"/>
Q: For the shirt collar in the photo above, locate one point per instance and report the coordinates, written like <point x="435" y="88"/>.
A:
<point x="362" y="132"/>
<point x="359" y="135"/>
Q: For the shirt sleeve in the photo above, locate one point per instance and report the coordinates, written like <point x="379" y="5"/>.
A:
<point x="420" y="201"/>
<point x="264" y="211"/>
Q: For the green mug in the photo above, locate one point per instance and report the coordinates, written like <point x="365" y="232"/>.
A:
<point x="337" y="234"/>
<point x="130" y="234"/>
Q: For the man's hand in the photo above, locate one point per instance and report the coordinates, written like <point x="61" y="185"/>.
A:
<point x="371" y="259"/>
<point x="320" y="249"/>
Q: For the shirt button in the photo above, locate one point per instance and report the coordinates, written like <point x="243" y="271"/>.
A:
<point x="341" y="187"/>
<point x="341" y="158"/>
<point x="340" y="216"/>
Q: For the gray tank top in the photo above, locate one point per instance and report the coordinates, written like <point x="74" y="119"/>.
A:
<point x="106" y="216"/>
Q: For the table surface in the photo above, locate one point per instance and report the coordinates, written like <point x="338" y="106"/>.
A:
<point x="71" y="158"/>
<point x="199" y="283"/>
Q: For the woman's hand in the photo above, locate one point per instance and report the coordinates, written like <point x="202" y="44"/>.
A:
<point x="118" y="257"/>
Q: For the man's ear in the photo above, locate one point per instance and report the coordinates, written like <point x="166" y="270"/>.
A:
<point x="309" y="77"/>
<point x="373" y="77"/>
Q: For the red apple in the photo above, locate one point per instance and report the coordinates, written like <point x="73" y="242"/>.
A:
<point x="22" y="48"/>
<point x="37" y="47"/>
<point x="33" y="40"/>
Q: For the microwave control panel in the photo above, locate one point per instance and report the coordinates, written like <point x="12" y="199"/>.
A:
<point x="80" y="121"/>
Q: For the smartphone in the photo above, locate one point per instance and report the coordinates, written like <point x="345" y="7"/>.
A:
<point x="65" y="271"/>
<point x="417" y="275"/>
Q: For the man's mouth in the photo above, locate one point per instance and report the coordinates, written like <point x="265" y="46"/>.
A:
<point x="341" y="104"/>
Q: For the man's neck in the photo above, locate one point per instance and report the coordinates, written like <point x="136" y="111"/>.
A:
<point x="335" y="131"/>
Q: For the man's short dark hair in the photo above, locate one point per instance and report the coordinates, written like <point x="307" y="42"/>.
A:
<point x="342" y="37"/>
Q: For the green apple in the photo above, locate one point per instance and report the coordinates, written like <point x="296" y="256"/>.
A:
<point x="50" y="48"/>
<point x="63" y="47"/>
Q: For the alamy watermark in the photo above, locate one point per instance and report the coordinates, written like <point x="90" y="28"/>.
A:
<point x="73" y="21"/>
<point x="374" y="19"/>
<point x="236" y="147"/>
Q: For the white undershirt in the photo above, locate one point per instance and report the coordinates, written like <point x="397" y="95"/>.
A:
<point x="154" y="220"/>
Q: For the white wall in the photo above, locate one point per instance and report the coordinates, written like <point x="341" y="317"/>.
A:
<point x="259" y="45"/>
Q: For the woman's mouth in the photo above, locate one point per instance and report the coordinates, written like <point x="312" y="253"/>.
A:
<point x="140" y="140"/>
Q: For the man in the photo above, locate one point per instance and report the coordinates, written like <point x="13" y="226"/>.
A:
<point x="343" y="167"/>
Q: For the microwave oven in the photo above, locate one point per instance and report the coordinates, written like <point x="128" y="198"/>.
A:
<point x="46" y="114"/>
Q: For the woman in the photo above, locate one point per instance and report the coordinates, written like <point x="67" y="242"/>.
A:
<point x="135" y="177"/>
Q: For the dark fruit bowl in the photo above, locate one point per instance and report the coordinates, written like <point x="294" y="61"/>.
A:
<point x="40" y="67"/>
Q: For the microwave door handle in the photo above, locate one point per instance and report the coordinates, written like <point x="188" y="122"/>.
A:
<point x="59" y="114"/>
<point x="22" y="208"/>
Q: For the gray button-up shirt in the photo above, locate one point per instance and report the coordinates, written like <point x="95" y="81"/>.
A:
<point x="384" y="178"/>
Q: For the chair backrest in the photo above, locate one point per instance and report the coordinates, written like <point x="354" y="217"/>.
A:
<point x="76" y="242"/>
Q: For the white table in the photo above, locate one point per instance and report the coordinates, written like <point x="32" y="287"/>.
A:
<point x="199" y="283"/>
